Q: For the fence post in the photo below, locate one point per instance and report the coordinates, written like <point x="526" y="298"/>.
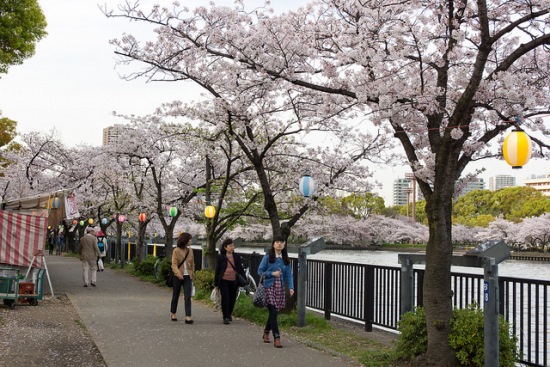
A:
<point x="406" y="291"/>
<point x="369" y="297"/>
<point x="328" y="290"/>
<point x="302" y="279"/>
<point x="491" y="305"/>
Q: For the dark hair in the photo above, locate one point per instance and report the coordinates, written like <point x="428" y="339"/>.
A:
<point x="183" y="239"/>
<point x="228" y="241"/>
<point x="284" y="253"/>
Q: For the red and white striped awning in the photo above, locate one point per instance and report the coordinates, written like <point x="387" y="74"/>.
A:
<point x="21" y="238"/>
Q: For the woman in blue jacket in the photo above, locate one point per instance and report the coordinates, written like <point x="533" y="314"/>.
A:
<point x="277" y="269"/>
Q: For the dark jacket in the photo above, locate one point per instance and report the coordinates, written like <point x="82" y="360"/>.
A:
<point x="222" y="264"/>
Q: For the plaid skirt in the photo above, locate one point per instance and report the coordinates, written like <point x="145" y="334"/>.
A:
<point x="276" y="294"/>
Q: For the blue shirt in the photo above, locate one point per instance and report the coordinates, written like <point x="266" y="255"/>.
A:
<point x="268" y="268"/>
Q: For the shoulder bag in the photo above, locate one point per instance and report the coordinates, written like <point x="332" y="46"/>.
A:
<point x="241" y="281"/>
<point x="170" y="278"/>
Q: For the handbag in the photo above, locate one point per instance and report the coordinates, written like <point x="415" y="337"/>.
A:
<point x="241" y="281"/>
<point x="260" y="296"/>
<point x="170" y="278"/>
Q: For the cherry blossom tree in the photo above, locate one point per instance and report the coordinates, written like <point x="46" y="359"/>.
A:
<point x="446" y="78"/>
<point x="533" y="233"/>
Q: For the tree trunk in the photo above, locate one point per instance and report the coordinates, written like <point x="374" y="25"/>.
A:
<point x="140" y="239"/>
<point x="119" y="254"/>
<point x="437" y="279"/>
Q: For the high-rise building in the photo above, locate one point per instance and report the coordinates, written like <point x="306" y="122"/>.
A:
<point x="401" y="191"/>
<point x="501" y="181"/>
<point x="472" y="185"/>
<point x="540" y="183"/>
<point x="113" y="134"/>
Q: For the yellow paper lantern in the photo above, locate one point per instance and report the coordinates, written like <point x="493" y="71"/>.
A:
<point x="517" y="148"/>
<point x="90" y="221"/>
<point x="210" y="211"/>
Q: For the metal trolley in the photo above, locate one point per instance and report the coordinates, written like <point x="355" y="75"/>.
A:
<point x="15" y="288"/>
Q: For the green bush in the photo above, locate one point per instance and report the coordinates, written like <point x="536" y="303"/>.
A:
<point x="466" y="337"/>
<point x="204" y="280"/>
<point x="145" y="267"/>
<point x="164" y="268"/>
<point x="413" y="337"/>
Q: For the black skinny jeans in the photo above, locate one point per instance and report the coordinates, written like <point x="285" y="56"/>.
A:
<point x="228" y="291"/>
<point x="272" y="324"/>
<point x="187" y="287"/>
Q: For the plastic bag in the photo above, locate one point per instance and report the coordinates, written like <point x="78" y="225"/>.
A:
<point x="216" y="298"/>
<point x="100" y="264"/>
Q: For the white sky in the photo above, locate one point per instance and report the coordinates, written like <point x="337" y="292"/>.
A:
<point x="71" y="83"/>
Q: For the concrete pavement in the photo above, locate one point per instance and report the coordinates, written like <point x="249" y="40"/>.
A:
<point x="129" y="321"/>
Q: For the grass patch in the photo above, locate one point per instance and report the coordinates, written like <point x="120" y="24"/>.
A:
<point x="80" y="324"/>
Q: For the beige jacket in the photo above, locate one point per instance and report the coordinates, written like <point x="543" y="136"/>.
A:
<point x="177" y="257"/>
<point x="88" y="249"/>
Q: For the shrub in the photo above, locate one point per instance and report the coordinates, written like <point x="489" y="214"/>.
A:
<point x="413" y="337"/>
<point x="145" y="267"/>
<point x="466" y="337"/>
<point x="204" y="280"/>
<point x="164" y="268"/>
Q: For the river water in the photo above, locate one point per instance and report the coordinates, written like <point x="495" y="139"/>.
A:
<point x="509" y="268"/>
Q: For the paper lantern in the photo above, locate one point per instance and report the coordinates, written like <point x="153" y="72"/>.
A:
<point x="210" y="211"/>
<point x="82" y="223"/>
<point x="121" y="218"/>
<point x="517" y="149"/>
<point x="56" y="202"/>
<point x="173" y="211"/>
<point x="307" y="186"/>
<point x="104" y="221"/>
<point x="142" y="217"/>
<point x="90" y="221"/>
<point x="74" y="222"/>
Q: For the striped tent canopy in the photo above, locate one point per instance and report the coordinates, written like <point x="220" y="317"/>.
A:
<point x="22" y="236"/>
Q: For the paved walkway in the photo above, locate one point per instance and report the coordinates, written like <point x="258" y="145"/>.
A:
<point x="129" y="321"/>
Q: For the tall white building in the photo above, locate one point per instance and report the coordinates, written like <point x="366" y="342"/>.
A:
<point x="540" y="183"/>
<point x="501" y="181"/>
<point x="401" y="190"/>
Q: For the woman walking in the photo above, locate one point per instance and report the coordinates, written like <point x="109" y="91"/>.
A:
<point x="276" y="268"/>
<point x="225" y="277"/>
<point x="183" y="267"/>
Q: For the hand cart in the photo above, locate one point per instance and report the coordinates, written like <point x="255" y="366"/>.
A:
<point x="14" y="287"/>
<point x="9" y="286"/>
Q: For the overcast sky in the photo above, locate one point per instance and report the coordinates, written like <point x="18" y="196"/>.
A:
<point x="71" y="83"/>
